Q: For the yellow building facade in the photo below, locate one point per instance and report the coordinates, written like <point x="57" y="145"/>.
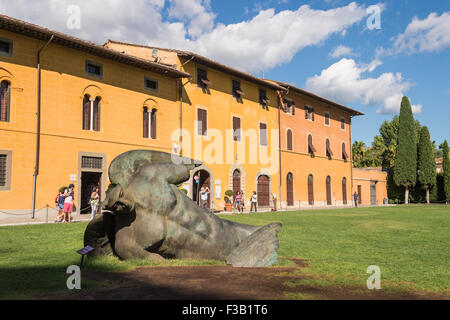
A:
<point x="97" y="102"/>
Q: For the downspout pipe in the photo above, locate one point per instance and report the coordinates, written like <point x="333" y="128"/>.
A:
<point x="38" y="125"/>
<point x="181" y="105"/>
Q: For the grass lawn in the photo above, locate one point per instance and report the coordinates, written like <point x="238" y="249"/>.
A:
<point x="410" y="244"/>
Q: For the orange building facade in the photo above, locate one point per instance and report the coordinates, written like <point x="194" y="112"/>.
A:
<point x="100" y="101"/>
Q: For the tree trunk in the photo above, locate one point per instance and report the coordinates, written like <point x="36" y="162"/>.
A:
<point x="428" y="196"/>
<point x="406" y="195"/>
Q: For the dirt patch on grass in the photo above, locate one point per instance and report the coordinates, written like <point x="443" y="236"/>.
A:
<point x="219" y="283"/>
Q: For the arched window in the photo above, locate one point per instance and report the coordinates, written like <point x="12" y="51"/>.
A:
<point x="344" y="152"/>
<point x="5" y="99"/>
<point x="289" y="139"/>
<point x="344" y="191"/>
<point x="328" y="182"/>
<point x="290" y="189"/>
<point x="311" y="149"/>
<point x="327" y="118"/>
<point x="149" y="118"/>
<point x="310" y="189"/>
<point x="343" y="123"/>
<point x="91" y="113"/>
<point x="329" y="153"/>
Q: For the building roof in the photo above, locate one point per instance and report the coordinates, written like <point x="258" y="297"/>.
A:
<point x="210" y="63"/>
<point x="314" y="96"/>
<point x="40" y="33"/>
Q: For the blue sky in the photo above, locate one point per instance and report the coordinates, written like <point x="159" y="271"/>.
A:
<point x="320" y="45"/>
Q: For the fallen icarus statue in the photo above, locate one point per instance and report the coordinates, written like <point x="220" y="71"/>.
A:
<point x="146" y="216"/>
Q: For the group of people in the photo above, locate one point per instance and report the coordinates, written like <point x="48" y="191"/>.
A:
<point x="240" y="202"/>
<point x="65" y="200"/>
<point x="64" y="204"/>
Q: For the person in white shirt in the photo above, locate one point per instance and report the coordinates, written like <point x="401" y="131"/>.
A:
<point x="204" y="197"/>
<point x="253" y="201"/>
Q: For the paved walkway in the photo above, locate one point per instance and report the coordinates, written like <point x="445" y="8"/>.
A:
<point x="43" y="216"/>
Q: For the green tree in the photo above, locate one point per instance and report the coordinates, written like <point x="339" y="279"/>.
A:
<point x="359" y="152"/>
<point x="405" y="169"/>
<point x="446" y="169"/>
<point x="426" y="162"/>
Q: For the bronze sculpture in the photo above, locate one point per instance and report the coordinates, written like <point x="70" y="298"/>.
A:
<point x="145" y="215"/>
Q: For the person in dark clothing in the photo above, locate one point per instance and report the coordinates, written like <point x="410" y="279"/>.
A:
<point x="355" y="196"/>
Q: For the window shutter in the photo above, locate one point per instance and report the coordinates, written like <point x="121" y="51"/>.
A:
<point x="86" y="113"/>
<point x="289" y="140"/>
<point x="96" y="124"/>
<point x="293" y="109"/>
<point x="236" y="129"/>
<point x="5" y="100"/>
<point x="145" y="123"/>
<point x="153" y="124"/>
<point x="312" y="117"/>
<point x="263" y="134"/>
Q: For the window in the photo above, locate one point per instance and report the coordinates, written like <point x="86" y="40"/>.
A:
<point x="344" y="152"/>
<point x="91" y="113"/>
<point x="344" y="191"/>
<point x="6" y="47"/>
<point x="151" y="84"/>
<point x="328" y="149"/>
<point x="149" y="118"/>
<point x="263" y="134"/>
<point x="327" y="118"/>
<point x="5" y="99"/>
<point x="311" y="149"/>
<point x="236" y="89"/>
<point x="202" y="78"/>
<point x="289" y="139"/>
<point x="201" y="122"/>
<point x="263" y="101"/>
<point x="91" y="162"/>
<point x="309" y="113"/>
<point x="290" y="106"/>
<point x="236" y="129"/>
<point x="94" y="69"/>
<point x="343" y="123"/>
<point x="5" y="170"/>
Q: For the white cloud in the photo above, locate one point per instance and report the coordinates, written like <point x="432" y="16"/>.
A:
<point x="346" y="81"/>
<point x="196" y="12"/>
<point x="267" y="40"/>
<point x="427" y="35"/>
<point x="340" y="51"/>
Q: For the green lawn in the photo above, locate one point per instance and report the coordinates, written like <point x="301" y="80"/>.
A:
<point x="409" y="244"/>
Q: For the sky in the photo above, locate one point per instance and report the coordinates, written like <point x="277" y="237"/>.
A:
<point x="365" y="55"/>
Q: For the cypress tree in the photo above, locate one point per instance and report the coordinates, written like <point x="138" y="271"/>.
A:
<point x="405" y="169"/>
<point x="446" y="169"/>
<point x="426" y="163"/>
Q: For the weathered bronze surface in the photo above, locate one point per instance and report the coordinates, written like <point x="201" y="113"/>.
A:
<point x="145" y="215"/>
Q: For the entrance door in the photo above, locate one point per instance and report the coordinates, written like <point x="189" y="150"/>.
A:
<point x="310" y="190"/>
<point x="263" y="191"/>
<point x="290" y="189"/>
<point x="89" y="180"/>
<point x="373" y="193"/>
<point x="344" y="191"/>
<point x="203" y="181"/>
<point x="236" y="182"/>
<point x="328" y="190"/>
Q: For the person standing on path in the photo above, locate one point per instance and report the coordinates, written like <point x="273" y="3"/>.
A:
<point x="68" y="203"/>
<point x="355" y="196"/>
<point x="95" y="201"/>
<point x="253" y="201"/>
<point x="274" y="199"/>
<point x="204" y="197"/>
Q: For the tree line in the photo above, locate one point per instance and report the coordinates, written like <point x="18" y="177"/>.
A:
<point x="404" y="149"/>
